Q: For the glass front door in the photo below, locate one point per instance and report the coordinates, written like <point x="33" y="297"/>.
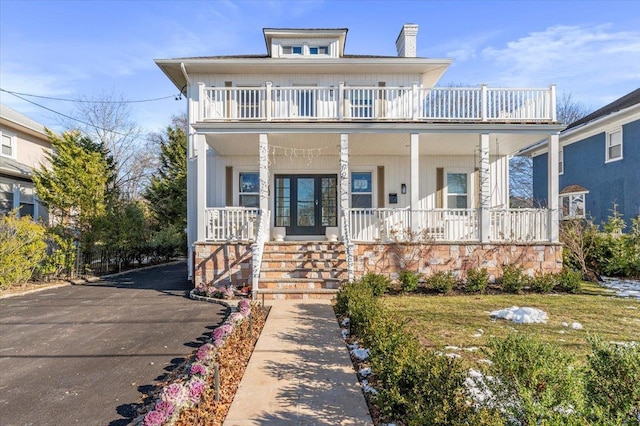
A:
<point x="306" y="204"/>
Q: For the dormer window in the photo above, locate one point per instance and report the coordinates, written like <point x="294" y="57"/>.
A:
<point x="292" y="50"/>
<point x="319" y="50"/>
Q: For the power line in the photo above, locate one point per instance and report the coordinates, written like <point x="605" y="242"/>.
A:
<point x="73" y="118"/>
<point x="31" y="95"/>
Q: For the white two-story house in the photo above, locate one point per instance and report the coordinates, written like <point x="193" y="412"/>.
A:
<point x="308" y="165"/>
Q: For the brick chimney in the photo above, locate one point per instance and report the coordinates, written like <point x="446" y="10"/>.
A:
<point x="406" y="41"/>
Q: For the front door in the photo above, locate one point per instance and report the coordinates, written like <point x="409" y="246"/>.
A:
<point x="306" y="204"/>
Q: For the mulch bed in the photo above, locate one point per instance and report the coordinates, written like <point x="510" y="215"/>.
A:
<point x="232" y="360"/>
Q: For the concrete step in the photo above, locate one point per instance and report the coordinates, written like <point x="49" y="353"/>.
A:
<point x="269" y="294"/>
<point x="323" y="273"/>
<point x="304" y="264"/>
<point x="307" y="284"/>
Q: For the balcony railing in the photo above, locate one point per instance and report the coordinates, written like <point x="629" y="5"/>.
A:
<point x="376" y="103"/>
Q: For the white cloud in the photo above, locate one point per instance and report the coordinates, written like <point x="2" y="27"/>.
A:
<point x="567" y="54"/>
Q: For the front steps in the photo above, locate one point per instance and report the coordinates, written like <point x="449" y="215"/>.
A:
<point x="302" y="270"/>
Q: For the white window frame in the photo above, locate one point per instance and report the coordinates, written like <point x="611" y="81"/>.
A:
<point x="319" y="48"/>
<point x="293" y="46"/>
<point x="573" y="198"/>
<point x="470" y="198"/>
<point x="561" y="161"/>
<point x="13" y="141"/>
<point x="238" y="192"/>
<point x="608" y="145"/>
<point x="374" y="192"/>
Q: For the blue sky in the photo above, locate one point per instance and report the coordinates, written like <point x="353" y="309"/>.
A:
<point x="79" y="49"/>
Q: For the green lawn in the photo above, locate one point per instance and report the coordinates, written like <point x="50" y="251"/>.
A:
<point x="443" y="321"/>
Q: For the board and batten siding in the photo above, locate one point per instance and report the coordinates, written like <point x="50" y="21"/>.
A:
<point x="396" y="172"/>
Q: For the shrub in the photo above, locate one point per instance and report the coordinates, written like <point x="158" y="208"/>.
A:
<point x="613" y="375"/>
<point x="477" y="280"/>
<point x="543" y="282"/>
<point x="569" y="281"/>
<point x="22" y="248"/>
<point x="442" y="282"/>
<point x="534" y="383"/>
<point x="513" y="278"/>
<point x="61" y="255"/>
<point x="409" y="281"/>
<point x="378" y="283"/>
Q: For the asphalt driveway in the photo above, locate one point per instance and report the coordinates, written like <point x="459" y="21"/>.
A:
<point x="87" y="354"/>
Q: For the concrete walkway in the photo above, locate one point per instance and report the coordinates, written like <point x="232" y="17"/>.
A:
<point x="300" y="372"/>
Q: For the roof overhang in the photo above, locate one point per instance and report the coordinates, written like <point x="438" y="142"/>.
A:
<point x="589" y="129"/>
<point x="430" y="69"/>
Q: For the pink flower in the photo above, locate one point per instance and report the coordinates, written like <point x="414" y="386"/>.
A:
<point x="154" y="418"/>
<point x="165" y="407"/>
<point x="245" y="311"/>
<point x="206" y="352"/>
<point x="218" y="342"/>
<point x="175" y="393"/>
<point x="197" y="368"/>
<point x="196" y="389"/>
<point x="244" y="303"/>
<point x="223" y="331"/>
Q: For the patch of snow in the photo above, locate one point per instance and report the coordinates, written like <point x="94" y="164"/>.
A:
<point x="345" y="334"/>
<point x="631" y="344"/>
<point x="623" y="287"/>
<point x="354" y="345"/>
<point x="452" y="355"/>
<point x="471" y="349"/>
<point x="631" y="307"/>
<point x="523" y="315"/>
<point x="364" y="372"/>
<point x="576" y="326"/>
<point x="565" y="324"/>
<point x="368" y="388"/>
<point x="451" y="348"/>
<point x="345" y="322"/>
<point x="361" y="354"/>
<point x="485" y="361"/>
<point x="477" y="335"/>
<point x="561" y="331"/>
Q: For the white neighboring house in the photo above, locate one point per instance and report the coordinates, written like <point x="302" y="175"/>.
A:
<point x="24" y="147"/>
<point x="308" y="143"/>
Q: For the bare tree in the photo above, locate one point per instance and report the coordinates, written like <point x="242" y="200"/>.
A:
<point x="107" y="119"/>
<point x="569" y="109"/>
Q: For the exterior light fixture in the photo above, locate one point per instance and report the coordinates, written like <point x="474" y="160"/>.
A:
<point x="403" y="188"/>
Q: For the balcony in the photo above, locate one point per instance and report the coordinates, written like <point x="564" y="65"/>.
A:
<point x="342" y="103"/>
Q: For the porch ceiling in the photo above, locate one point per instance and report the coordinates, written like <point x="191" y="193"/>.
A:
<point x="386" y="144"/>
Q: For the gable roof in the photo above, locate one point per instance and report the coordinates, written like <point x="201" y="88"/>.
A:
<point x="626" y="101"/>
<point x="21" y="120"/>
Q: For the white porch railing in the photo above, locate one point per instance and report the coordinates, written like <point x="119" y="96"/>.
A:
<point x="518" y="225"/>
<point x="231" y="223"/>
<point x="341" y="103"/>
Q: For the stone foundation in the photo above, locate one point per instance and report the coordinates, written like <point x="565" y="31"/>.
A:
<point x="428" y="259"/>
<point x="222" y="264"/>
<point x="231" y="263"/>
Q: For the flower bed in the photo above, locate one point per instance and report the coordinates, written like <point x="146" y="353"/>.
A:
<point x="188" y="397"/>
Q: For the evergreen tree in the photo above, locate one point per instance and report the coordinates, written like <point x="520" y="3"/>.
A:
<point x="73" y="185"/>
<point x="167" y="193"/>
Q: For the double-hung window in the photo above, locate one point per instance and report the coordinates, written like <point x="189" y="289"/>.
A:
<point x="319" y="50"/>
<point x="361" y="190"/>
<point x="561" y="161"/>
<point x="249" y="189"/>
<point x="614" y="145"/>
<point x="8" y="144"/>
<point x="292" y="50"/>
<point x="457" y="190"/>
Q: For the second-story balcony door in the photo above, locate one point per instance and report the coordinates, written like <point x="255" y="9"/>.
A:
<point x="306" y="204"/>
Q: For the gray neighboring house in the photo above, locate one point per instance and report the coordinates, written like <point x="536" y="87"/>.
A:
<point x="599" y="163"/>
<point x="24" y="145"/>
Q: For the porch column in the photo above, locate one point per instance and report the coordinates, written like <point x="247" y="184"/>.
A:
<point x="201" y="187"/>
<point x="264" y="177"/>
<point x="344" y="177"/>
<point x="552" y="179"/>
<point x="485" y="189"/>
<point x="414" y="185"/>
